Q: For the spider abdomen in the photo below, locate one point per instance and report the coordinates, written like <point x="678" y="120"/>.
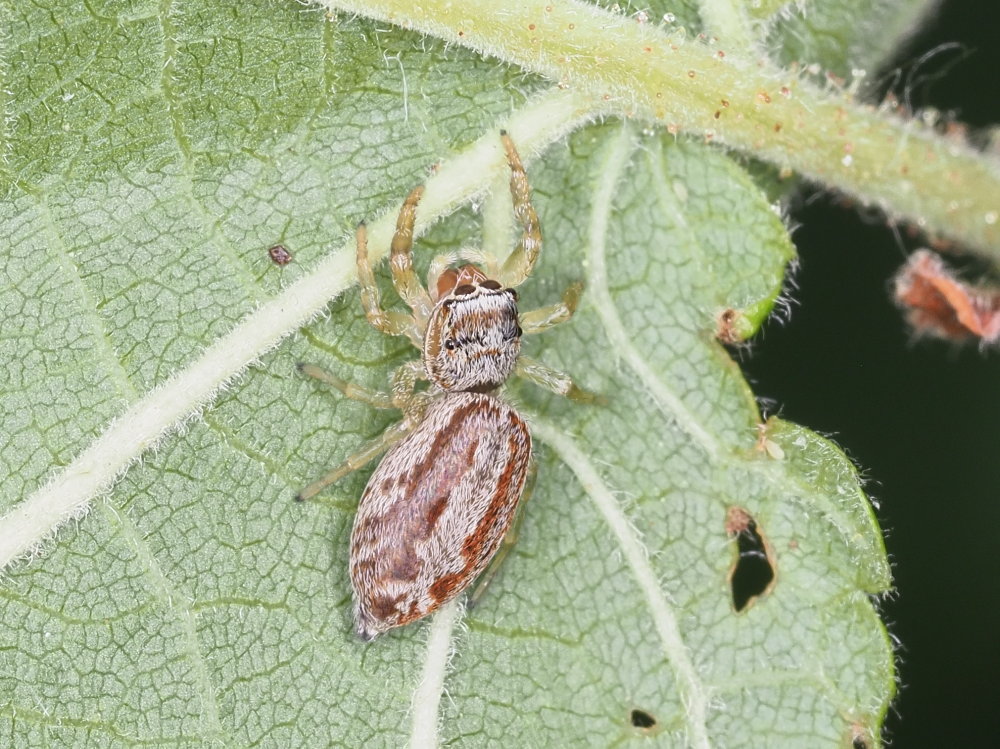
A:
<point x="436" y="509"/>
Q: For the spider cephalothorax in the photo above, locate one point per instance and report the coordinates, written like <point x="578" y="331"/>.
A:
<point x="473" y="336"/>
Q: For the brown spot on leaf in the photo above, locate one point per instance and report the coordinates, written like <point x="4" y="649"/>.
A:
<point x="280" y="255"/>
<point x="726" y="326"/>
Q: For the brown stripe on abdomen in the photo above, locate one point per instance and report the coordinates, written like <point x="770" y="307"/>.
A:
<point x="507" y="493"/>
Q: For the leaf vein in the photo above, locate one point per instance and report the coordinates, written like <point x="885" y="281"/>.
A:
<point x="174" y="113"/>
<point x="669" y="402"/>
<point x="694" y="695"/>
<point x="427" y="695"/>
<point x="178" y="604"/>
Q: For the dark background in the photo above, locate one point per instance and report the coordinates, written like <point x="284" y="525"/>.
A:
<point x="922" y="419"/>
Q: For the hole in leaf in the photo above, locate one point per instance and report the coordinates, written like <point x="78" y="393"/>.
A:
<point x="752" y="573"/>
<point x="642" y="719"/>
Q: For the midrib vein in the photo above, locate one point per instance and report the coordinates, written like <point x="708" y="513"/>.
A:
<point x="692" y="693"/>
<point x="426" y="701"/>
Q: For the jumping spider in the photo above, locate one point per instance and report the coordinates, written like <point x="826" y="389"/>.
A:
<point x="442" y="500"/>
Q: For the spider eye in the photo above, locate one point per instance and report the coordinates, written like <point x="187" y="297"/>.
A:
<point x="490" y="284"/>
<point x="450" y="344"/>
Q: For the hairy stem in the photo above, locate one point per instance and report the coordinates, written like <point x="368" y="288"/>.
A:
<point x="728" y="96"/>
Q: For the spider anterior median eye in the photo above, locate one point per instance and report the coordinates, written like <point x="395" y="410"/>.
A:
<point x="450" y="344"/>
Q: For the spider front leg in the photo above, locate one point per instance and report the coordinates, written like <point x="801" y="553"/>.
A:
<point x="558" y="382"/>
<point x="518" y="265"/>
<point x="405" y="279"/>
<point x="391" y="323"/>
<point x="544" y="318"/>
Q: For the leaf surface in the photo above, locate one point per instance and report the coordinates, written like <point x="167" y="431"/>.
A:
<point x="153" y="154"/>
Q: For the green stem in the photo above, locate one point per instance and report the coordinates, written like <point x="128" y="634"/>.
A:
<point x="633" y="69"/>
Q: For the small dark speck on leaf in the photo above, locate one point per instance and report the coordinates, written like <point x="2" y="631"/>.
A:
<point x="280" y="255"/>
<point x="642" y="719"/>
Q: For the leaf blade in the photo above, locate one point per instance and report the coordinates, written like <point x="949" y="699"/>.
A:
<point x="196" y="603"/>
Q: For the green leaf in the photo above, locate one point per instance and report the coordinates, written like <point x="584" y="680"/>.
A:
<point x="153" y="154"/>
<point x="847" y="38"/>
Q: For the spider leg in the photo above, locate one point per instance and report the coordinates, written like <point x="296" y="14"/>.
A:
<point x="357" y="460"/>
<point x="558" y="382"/>
<point x="349" y="389"/>
<point x="404" y="382"/>
<point x="480" y="257"/>
<point x="518" y="265"/>
<point x="543" y="318"/>
<point x="392" y="323"/>
<point x="439" y="264"/>
<point x="509" y="539"/>
<point x="403" y="397"/>
<point x="401" y="261"/>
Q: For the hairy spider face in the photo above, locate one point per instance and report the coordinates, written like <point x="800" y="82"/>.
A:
<point x="473" y="337"/>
